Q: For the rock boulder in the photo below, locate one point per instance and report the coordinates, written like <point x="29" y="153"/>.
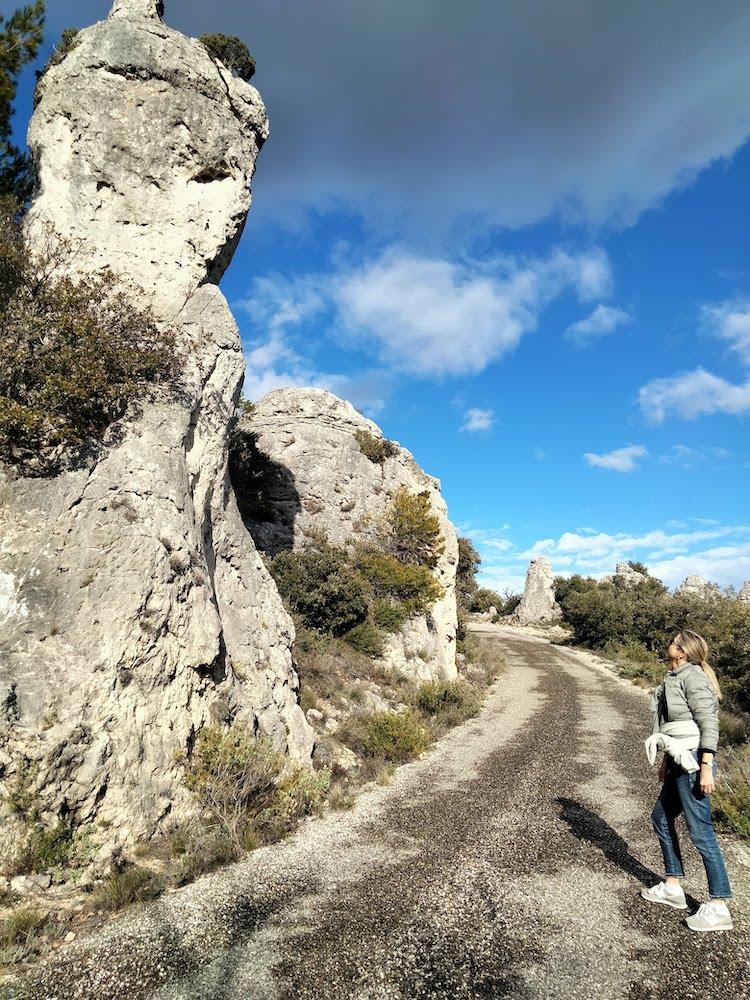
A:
<point x="538" y="605"/>
<point x="316" y="478"/>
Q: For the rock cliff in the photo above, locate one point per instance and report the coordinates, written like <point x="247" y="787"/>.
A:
<point x="538" y="605"/>
<point x="315" y="477"/>
<point x="744" y="594"/>
<point x="697" y="586"/>
<point x="134" y="606"/>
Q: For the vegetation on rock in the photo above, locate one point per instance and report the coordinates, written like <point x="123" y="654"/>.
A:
<point x="411" y="532"/>
<point x="232" y="51"/>
<point x="77" y="351"/>
<point x="377" y="449"/>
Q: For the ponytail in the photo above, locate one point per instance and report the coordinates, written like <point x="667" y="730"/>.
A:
<point x="695" y="647"/>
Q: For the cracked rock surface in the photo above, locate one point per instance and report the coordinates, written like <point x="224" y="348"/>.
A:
<point x="508" y="861"/>
<point x="317" y="479"/>
<point x="134" y="607"/>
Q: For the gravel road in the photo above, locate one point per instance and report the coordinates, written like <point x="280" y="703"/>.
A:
<point x="506" y="862"/>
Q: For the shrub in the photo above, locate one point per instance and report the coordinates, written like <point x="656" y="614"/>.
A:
<point x="233" y="775"/>
<point x="45" y="848"/>
<point x="68" y="41"/>
<point x="434" y="697"/>
<point x="414" y="588"/>
<point x="199" y="850"/>
<point x="375" y="448"/>
<point x="411" y="532"/>
<point x="469" y="562"/>
<point x="320" y="585"/>
<point x="129" y="885"/>
<point x="300" y="792"/>
<point x="232" y="51"/>
<point x="730" y="803"/>
<point x="394" y="736"/>
<point x="77" y="351"/>
<point x="484" y="599"/>
<point x="388" y="614"/>
<point x="18" y="933"/>
<point x="366" y="638"/>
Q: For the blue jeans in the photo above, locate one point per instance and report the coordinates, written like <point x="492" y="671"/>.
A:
<point x="681" y="792"/>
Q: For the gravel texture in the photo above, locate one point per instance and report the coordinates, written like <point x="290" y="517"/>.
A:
<point x="507" y="861"/>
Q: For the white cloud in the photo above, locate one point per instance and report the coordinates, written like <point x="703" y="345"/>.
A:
<point x="731" y="321"/>
<point x="620" y="460"/>
<point x="689" y="458"/>
<point x="426" y="316"/>
<point x="726" y="565"/>
<point x="434" y="317"/>
<point x="701" y="393"/>
<point x="693" y="394"/>
<point x="603" y="320"/>
<point x="478" y="420"/>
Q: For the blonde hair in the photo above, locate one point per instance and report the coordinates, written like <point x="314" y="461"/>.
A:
<point x="695" y="647"/>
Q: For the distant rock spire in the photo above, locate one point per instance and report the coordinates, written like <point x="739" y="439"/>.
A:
<point x="138" y="8"/>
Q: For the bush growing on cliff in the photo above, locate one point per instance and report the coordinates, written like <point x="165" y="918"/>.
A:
<point x="393" y="736"/>
<point x="77" y="352"/>
<point x="321" y="587"/>
<point x="412" y="588"/>
<point x="68" y="41"/>
<point x="469" y="562"/>
<point x="232" y="51"/>
<point x="411" y="532"/>
<point x="375" y="448"/>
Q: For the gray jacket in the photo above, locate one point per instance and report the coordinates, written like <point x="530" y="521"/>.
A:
<point x="686" y="693"/>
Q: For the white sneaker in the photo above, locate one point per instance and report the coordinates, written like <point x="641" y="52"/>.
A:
<point x="711" y="916"/>
<point x="670" y="895"/>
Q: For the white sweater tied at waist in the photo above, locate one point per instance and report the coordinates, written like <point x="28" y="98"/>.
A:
<point x="677" y="739"/>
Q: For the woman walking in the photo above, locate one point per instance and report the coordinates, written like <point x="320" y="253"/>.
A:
<point x="686" y="726"/>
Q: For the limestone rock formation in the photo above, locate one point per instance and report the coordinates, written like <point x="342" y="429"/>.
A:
<point x="145" y="147"/>
<point x="538" y="605"/>
<point x="626" y="576"/>
<point x="698" y="586"/>
<point x="318" y="479"/>
<point x="744" y="594"/>
<point x="134" y="607"/>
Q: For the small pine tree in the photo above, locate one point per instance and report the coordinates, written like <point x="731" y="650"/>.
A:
<point x="20" y="38"/>
<point x="232" y="51"/>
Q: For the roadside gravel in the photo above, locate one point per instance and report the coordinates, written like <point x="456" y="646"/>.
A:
<point x="507" y="861"/>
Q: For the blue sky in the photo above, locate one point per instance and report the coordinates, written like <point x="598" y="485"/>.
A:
<point x="516" y="236"/>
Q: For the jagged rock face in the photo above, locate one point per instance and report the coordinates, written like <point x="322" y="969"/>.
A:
<point x="698" y="586"/>
<point x="538" y="605"/>
<point x="145" y="147"/>
<point x="627" y="577"/>
<point x="744" y="594"/>
<point x="134" y="608"/>
<point x="318" y="479"/>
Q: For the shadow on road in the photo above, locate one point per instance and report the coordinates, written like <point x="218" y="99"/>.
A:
<point x="588" y="826"/>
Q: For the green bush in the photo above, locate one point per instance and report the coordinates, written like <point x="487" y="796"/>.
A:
<point x="414" y="588"/>
<point x="232" y="51"/>
<point x="129" y="885"/>
<point x="434" y="697"/>
<point x="484" y="599"/>
<point x="730" y="802"/>
<point x="233" y="776"/>
<point x="45" y="848"/>
<point x="299" y="793"/>
<point x="77" y="351"/>
<point x="19" y="933"/>
<point x="321" y="587"/>
<point x="199" y="850"/>
<point x="366" y="638"/>
<point x="390" y="615"/>
<point x="375" y="448"/>
<point x="469" y="562"/>
<point x="411" y="532"/>
<point x="394" y="736"/>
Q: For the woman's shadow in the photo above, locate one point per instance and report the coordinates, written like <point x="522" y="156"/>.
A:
<point x="590" y="828"/>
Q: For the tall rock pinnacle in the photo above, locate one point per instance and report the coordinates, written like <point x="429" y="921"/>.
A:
<point x="145" y="146"/>
<point x="138" y="8"/>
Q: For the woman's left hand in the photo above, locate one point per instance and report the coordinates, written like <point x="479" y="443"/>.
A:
<point x="708" y="784"/>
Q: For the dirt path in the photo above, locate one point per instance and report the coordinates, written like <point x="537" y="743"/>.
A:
<point x="506" y="862"/>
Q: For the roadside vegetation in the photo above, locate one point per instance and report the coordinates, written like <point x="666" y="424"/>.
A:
<point x="631" y="626"/>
